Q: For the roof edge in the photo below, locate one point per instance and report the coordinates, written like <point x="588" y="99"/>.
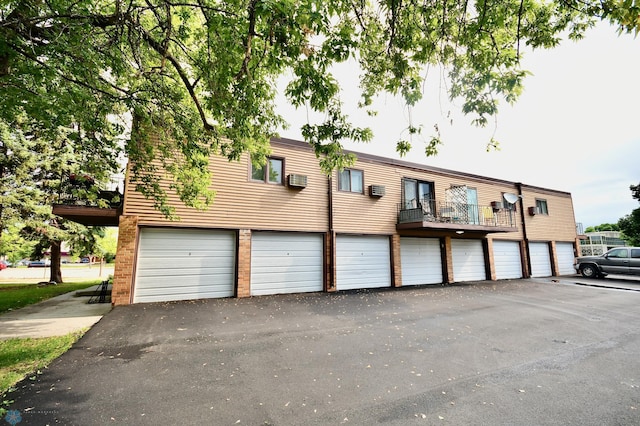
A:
<point x="417" y="166"/>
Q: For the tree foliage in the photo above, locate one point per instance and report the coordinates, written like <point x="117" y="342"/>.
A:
<point x="630" y="227"/>
<point x="630" y="224"/>
<point x="635" y="191"/>
<point x="202" y="75"/>
<point x="35" y="163"/>
<point x="603" y="227"/>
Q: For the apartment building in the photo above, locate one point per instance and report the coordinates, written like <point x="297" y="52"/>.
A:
<point x="288" y="228"/>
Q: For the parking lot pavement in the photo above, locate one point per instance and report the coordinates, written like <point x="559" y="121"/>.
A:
<point x="496" y="353"/>
<point x="619" y="282"/>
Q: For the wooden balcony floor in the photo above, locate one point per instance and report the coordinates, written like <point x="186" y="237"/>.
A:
<point x="88" y="215"/>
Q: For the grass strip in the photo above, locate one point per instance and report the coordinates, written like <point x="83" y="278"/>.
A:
<point x="17" y="296"/>
<point x="23" y="357"/>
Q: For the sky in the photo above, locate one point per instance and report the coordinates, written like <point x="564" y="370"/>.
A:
<point x="575" y="128"/>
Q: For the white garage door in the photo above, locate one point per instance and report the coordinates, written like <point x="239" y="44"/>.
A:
<point x="468" y="260"/>
<point x="540" y="260"/>
<point x="286" y="263"/>
<point x="507" y="260"/>
<point x="421" y="261"/>
<point x="362" y="262"/>
<point x="180" y="264"/>
<point x="564" y="251"/>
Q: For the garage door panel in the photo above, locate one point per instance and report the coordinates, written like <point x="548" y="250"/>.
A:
<point x="507" y="259"/>
<point x="362" y="262"/>
<point x="173" y="264"/>
<point x="188" y="285"/>
<point x="287" y="269"/>
<point x="540" y="260"/>
<point x="201" y="273"/>
<point x="566" y="257"/>
<point x="421" y="261"/>
<point x="274" y="287"/>
<point x="468" y="260"/>
<point x="181" y="264"/>
<point x="297" y="263"/>
<point x="281" y="274"/>
<point x="286" y="263"/>
<point x="173" y="294"/>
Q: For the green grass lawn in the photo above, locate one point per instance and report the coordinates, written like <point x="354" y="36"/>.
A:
<point x="24" y="357"/>
<point x="15" y="296"/>
<point x="21" y="358"/>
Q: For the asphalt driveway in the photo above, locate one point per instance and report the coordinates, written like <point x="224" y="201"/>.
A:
<point x="505" y="353"/>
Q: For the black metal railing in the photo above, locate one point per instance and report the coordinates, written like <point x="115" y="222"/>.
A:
<point x="455" y="213"/>
<point x="83" y="191"/>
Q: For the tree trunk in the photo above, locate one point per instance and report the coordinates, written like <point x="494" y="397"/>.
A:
<point x="56" y="270"/>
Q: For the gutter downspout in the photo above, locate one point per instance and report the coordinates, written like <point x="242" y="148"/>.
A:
<point x="524" y="230"/>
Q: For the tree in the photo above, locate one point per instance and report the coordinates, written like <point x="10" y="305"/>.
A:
<point x="630" y="227"/>
<point x="34" y="165"/>
<point x="635" y="191"/>
<point x="603" y="227"/>
<point x="14" y="246"/>
<point x="18" y="160"/>
<point x="200" y="77"/>
<point x="630" y="224"/>
<point x="107" y="245"/>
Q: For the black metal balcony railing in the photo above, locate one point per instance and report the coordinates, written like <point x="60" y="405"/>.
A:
<point x="455" y="213"/>
<point x="83" y="192"/>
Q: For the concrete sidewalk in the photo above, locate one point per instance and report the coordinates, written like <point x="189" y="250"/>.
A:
<point x="52" y="317"/>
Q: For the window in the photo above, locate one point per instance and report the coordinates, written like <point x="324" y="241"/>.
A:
<point x="541" y="205"/>
<point x="618" y="253"/>
<point x="271" y="172"/>
<point x="351" y="180"/>
<point x="417" y="193"/>
<point x="635" y="253"/>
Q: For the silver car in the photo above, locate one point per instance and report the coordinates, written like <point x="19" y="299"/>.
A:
<point x="619" y="260"/>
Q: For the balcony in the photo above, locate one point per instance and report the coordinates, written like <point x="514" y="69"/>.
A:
<point x="79" y="200"/>
<point x="449" y="216"/>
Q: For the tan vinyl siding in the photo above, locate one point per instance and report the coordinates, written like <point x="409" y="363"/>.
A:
<point x="558" y="225"/>
<point x="241" y="203"/>
<point x="244" y="204"/>
<point x="360" y="213"/>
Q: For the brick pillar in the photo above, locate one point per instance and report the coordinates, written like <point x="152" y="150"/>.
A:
<point x="576" y="248"/>
<point x="448" y="260"/>
<point x="524" y="255"/>
<point x="396" y="263"/>
<point x="121" y="293"/>
<point x="244" y="263"/>
<point x="553" y="254"/>
<point x="330" y="262"/>
<point x="491" y="260"/>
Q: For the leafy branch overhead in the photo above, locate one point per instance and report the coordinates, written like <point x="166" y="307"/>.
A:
<point x="203" y="74"/>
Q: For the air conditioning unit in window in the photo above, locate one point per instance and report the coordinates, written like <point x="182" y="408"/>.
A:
<point x="377" y="190"/>
<point x="297" y="181"/>
<point x="496" y="205"/>
<point x="534" y="211"/>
